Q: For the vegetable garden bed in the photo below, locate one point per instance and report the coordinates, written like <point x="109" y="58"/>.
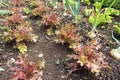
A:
<point x="59" y="40"/>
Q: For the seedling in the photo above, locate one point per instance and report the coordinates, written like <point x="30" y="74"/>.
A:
<point x="87" y="2"/>
<point x="54" y="3"/>
<point x="74" y="6"/>
<point x="50" y="32"/>
<point x="100" y="17"/>
<point x="108" y="2"/>
<point x="26" y="10"/>
<point x="117" y="28"/>
<point x="21" y="47"/>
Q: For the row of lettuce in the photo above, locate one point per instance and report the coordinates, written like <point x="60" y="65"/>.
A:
<point x="17" y="29"/>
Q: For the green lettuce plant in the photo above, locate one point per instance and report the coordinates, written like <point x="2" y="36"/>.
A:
<point x="87" y="2"/>
<point x="107" y="3"/>
<point x="100" y="16"/>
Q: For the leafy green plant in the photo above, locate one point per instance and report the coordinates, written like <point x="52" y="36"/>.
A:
<point x="88" y="57"/>
<point x="50" y="32"/>
<point x="95" y="20"/>
<point x="21" y="47"/>
<point x="112" y="11"/>
<point x="51" y="22"/>
<point x="74" y="6"/>
<point x="117" y="28"/>
<point x="19" y="34"/>
<point x="3" y="12"/>
<point x="101" y="16"/>
<point x="84" y="56"/>
<point x="38" y="7"/>
<point x="87" y="2"/>
<point x="16" y="29"/>
<point x="3" y="3"/>
<point x="26" y="0"/>
<point x="54" y="3"/>
<point x="24" y="69"/>
<point x="26" y="10"/>
<point x="35" y="3"/>
<point x="108" y="2"/>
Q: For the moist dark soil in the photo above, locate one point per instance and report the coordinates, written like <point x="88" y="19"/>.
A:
<point x="54" y="52"/>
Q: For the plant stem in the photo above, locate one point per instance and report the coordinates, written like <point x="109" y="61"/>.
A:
<point x="71" y="9"/>
<point x="95" y="21"/>
<point x="2" y="3"/>
<point x="111" y="5"/>
<point x="118" y="42"/>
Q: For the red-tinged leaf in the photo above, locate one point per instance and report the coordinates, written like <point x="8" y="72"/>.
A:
<point x="17" y="3"/>
<point x="36" y="3"/>
<point x="29" y="69"/>
<point x="51" y="19"/>
<point x="67" y="34"/>
<point x="40" y="10"/>
<point x="15" y="10"/>
<point x="22" y="32"/>
<point x="25" y="69"/>
<point x="72" y="67"/>
<point x="15" y="19"/>
<point x="89" y="58"/>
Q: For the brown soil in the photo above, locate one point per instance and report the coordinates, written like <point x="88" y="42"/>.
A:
<point x="54" y="52"/>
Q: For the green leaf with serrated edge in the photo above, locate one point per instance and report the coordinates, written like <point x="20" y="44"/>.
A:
<point x="3" y="12"/>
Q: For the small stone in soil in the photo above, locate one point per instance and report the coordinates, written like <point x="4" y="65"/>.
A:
<point x="4" y="56"/>
<point x="1" y="49"/>
<point x="11" y="53"/>
<point x="115" y="53"/>
<point x="1" y="69"/>
<point x="40" y="55"/>
<point x="57" y="62"/>
<point x="10" y="62"/>
<point x="62" y="77"/>
<point x="47" y="38"/>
